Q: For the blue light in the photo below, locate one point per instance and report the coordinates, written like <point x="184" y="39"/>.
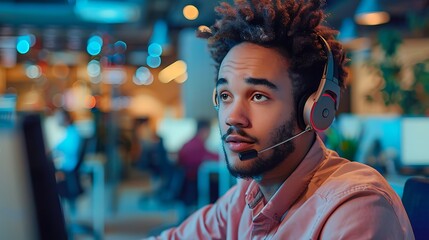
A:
<point x="143" y="76"/>
<point x="93" y="48"/>
<point x="94" y="45"/>
<point x="143" y="73"/>
<point x="155" y="49"/>
<point x="96" y="39"/>
<point x="108" y="11"/>
<point x="153" y="62"/>
<point x="22" y="46"/>
<point x="120" y="46"/>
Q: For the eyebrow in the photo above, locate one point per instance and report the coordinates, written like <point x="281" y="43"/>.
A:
<point x="221" y="81"/>
<point x="252" y="81"/>
<point x="261" y="81"/>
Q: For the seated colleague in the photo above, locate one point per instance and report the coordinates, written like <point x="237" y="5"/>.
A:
<point x="190" y="157"/>
<point x="148" y="148"/>
<point x="66" y="151"/>
<point x="150" y="154"/>
<point x="271" y="57"/>
<point x="66" y="157"/>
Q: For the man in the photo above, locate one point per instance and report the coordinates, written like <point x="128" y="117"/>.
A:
<point x="190" y="157"/>
<point x="272" y="57"/>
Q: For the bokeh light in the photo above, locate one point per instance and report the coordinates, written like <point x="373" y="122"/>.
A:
<point x="93" y="68"/>
<point x="155" y="49"/>
<point x="143" y="76"/>
<point x="153" y="62"/>
<point x="120" y="46"/>
<point x="22" y="45"/>
<point x="94" y="46"/>
<point x="33" y="71"/>
<point x="190" y="12"/>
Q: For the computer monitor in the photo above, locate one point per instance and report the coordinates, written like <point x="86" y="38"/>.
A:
<point x="415" y="149"/>
<point x="30" y="206"/>
<point x="414" y="154"/>
<point x="176" y="132"/>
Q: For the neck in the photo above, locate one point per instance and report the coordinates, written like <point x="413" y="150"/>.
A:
<point x="271" y="181"/>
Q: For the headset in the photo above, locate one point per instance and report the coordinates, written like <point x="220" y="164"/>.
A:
<point x="319" y="108"/>
<point x="316" y="110"/>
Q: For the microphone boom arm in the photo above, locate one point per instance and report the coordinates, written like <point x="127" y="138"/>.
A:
<point x="307" y="129"/>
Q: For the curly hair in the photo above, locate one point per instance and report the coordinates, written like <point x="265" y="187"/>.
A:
<point x="290" y="26"/>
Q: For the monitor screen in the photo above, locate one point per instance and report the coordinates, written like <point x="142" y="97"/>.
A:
<point x="176" y="132"/>
<point x="414" y="146"/>
<point x="7" y="109"/>
<point x="31" y="206"/>
<point x="17" y="217"/>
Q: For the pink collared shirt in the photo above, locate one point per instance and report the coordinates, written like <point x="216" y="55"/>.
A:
<point x="326" y="197"/>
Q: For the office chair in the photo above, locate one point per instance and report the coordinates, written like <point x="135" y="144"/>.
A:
<point x="415" y="199"/>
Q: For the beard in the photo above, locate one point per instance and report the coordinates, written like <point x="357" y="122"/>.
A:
<point x="260" y="165"/>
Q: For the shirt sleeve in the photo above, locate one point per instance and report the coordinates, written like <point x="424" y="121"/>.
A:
<point x="366" y="215"/>
<point x="210" y="222"/>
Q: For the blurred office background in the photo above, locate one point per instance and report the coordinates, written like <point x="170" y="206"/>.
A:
<point x="114" y="64"/>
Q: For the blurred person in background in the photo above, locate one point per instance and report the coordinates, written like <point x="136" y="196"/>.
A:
<point x="280" y="74"/>
<point x="190" y="157"/>
<point x="148" y="148"/>
<point x="66" y="158"/>
<point x="66" y="151"/>
<point x="151" y="156"/>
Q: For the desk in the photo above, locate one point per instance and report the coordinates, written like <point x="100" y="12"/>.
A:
<point x="94" y="165"/>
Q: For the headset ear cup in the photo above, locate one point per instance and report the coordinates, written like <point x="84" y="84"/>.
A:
<point x="301" y="105"/>
<point x="320" y="114"/>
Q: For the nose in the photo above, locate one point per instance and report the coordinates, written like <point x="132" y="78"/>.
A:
<point x="237" y="115"/>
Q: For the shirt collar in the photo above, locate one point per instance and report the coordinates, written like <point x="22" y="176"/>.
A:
<point x="293" y="186"/>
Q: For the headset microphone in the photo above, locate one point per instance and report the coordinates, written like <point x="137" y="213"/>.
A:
<point x="252" y="153"/>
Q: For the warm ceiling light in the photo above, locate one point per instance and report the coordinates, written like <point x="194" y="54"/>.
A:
<point x="369" y="12"/>
<point x="172" y="71"/>
<point x="182" y="78"/>
<point x="373" y="18"/>
<point x="190" y="12"/>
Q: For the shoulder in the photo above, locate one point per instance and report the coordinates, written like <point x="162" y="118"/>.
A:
<point x="357" y="196"/>
<point x="339" y="181"/>
<point x="338" y="177"/>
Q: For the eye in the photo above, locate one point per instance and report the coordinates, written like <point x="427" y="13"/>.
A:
<point x="259" y="98"/>
<point x="224" y="97"/>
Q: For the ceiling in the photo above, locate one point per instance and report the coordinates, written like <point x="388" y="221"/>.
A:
<point x="59" y="17"/>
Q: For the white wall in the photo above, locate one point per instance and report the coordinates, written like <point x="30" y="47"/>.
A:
<point x="198" y="89"/>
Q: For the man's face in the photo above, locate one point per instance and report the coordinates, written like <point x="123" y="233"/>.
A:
<point x="256" y="108"/>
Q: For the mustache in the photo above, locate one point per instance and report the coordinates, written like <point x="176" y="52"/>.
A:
<point x="240" y="132"/>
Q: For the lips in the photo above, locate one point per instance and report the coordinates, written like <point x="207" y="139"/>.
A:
<point x="237" y="143"/>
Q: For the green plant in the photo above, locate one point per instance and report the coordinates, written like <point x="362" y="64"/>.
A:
<point x="345" y="146"/>
<point x="411" y="97"/>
